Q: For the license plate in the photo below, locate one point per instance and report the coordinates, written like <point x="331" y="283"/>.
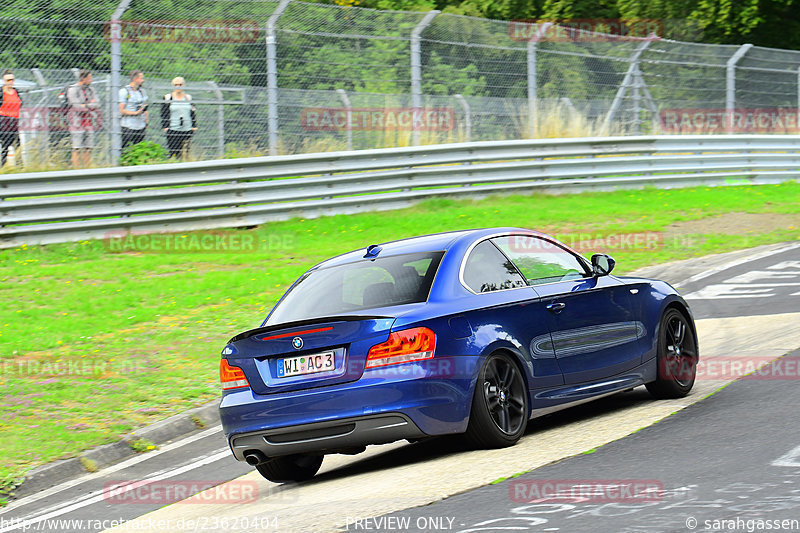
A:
<point x="306" y="364"/>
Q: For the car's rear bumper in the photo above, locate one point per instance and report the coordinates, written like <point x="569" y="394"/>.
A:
<point x="327" y="437"/>
<point x="382" y="406"/>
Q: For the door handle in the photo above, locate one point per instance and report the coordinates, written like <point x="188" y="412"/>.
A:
<point x="556" y="307"/>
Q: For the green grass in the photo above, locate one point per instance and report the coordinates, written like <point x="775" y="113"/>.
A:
<point x="94" y="344"/>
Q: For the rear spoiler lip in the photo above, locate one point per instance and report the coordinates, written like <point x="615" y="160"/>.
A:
<point x="299" y="323"/>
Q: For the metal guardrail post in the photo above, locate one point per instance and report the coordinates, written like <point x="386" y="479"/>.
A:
<point x="272" y="77"/>
<point x="730" y="85"/>
<point x="116" y="68"/>
<point x="220" y="119"/>
<point x="416" y="70"/>
<point x="467" y="116"/>
<point x="633" y="68"/>
<point x="349" y="111"/>
<point x="533" y="97"/>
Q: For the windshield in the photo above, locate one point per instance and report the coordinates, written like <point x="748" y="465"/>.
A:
<point x="367" y="284"/>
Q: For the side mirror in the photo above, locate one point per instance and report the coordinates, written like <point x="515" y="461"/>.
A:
<point x="602" y="264"/>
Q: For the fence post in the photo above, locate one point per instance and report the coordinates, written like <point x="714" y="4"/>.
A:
<point x="467" y="116"/>
<point x="116" y="67"/>
<point x="730" y="85"/>
<point x="272" y="78"/>
<point x="533" y="95"/>
<point x="349" y="111"/>
<point x="630" y="75"/>
<point x="220" y="119"/>
<point x="416" y="70"/>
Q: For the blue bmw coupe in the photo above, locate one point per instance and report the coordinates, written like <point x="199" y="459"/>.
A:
<point x="471" y="332"/>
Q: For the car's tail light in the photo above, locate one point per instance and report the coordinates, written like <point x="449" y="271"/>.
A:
<point x="231" y="377"/>
<point x="403" y="346"/>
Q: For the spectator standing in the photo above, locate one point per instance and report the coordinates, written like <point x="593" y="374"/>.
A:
<point x="10" y="105"/>
<point x="178" y="118"/>
<point x="83" y="104"/>
<point x="133" y="109"/>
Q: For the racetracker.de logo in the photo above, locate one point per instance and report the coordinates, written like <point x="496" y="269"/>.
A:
<point x="740" y="120"/>
<point x="586" y="243"/>
<point x="374" y="119"/>
<point x="56" y="118"/>
<point x="584" y="30"/>
<point x="167" y="492"/>
<point x="182" y="31"/>
<point x="760" y="368"/>
<point x="586" y="490"/>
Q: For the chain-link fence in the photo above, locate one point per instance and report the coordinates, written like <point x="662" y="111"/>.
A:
<point x="290" y="77"/>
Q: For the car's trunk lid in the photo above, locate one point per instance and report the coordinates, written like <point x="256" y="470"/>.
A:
<point x="312" y="353"/>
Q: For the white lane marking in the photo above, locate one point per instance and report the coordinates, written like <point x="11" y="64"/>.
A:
<point x="743" y="260"/>
<point x="79" y="499"/>
<point x="737" y="290"/>
<point x="791" y="459"/>
<point x="100" y="495"/>
<point x="110" y="469"/>
<point x="769" y="276"/>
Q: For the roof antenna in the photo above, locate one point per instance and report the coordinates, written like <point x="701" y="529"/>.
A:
<point x="372" y="251"/>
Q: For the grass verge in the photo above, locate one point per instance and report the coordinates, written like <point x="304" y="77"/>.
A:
<point x="94" y="344"/>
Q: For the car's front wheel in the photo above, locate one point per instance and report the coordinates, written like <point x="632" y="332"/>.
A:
<point x="499" y="412"/>
<point x="291" y="468"/>
<point x="677" y="357"/>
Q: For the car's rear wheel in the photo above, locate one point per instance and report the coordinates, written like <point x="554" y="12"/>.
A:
<point x="291" y="468"/>
<point x="499" y="412"/>
<point x="677" y="357"/>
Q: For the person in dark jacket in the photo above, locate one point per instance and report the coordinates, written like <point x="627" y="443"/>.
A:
<point x="10" y="105"/>
<point x="178" y="119"/>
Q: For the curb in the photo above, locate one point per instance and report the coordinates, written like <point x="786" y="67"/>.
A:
<point x="159" y="433"/>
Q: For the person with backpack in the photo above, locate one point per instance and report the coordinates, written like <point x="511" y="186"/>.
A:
<point x="133" y="109"/>
<point x="83" y="107"/>
<point x="10" y="106"/>
<point x="178" y="118"/>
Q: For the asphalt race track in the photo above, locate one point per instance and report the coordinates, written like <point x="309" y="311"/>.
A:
<point x="734" y="455"/>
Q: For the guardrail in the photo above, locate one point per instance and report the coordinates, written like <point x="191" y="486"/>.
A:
<point x="48" y="207"/>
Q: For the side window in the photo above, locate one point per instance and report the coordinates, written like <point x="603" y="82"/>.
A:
<point x="540" y="261"/>
<point x="489" y="270"/>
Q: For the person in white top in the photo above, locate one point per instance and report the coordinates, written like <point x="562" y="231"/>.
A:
<point x="84" y="118"/>
<point x="178" y="118"/>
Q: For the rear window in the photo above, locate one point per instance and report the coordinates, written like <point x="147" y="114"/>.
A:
<point x="367" y="284"/>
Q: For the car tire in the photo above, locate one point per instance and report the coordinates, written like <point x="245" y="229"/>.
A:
<point x="291" y="468"/>
<point x="499" y="413"/>
<point x="676" y="357"/>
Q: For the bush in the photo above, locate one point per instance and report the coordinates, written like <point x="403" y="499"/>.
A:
<point x="143" y="153"/>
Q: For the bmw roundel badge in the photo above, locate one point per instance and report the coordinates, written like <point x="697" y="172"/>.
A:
<point x="297" y="343"/>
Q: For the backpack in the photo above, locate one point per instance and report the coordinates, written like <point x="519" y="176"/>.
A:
<point x="63" y="101"/>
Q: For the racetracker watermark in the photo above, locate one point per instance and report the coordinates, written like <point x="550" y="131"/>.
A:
<point x="54" y="118"/>
<point x="168" y="491"/>
<point x="586" y="490"/>
<point x="77" y="367"/>
<point x="376" y="119"/>
<point x="729" y="368"/>
<point x="183" y="31"/>
<point x="235" y="242"/>
<point x="584" y="30"/>
<point x="717" y="120"/>
<point x="587" y="242"/>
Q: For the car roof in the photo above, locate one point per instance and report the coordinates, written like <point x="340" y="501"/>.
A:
<point x="424" y="243"/>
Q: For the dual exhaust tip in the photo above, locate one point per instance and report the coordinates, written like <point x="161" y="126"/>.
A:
<point x="255" y="458"/>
